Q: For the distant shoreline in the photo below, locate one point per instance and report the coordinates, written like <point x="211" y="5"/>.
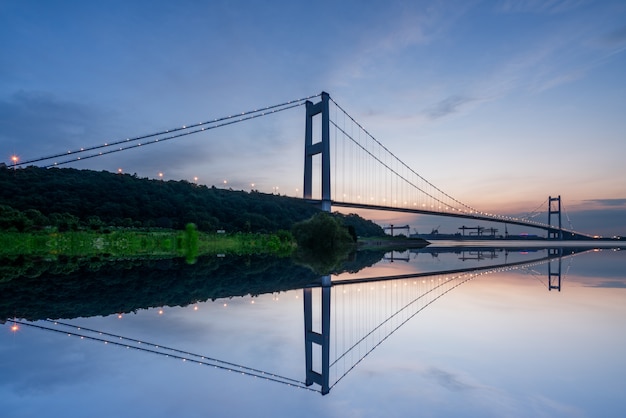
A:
<point x="599" y="243"/>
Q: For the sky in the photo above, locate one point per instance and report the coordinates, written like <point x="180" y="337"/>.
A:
<point x="500" y="104"/>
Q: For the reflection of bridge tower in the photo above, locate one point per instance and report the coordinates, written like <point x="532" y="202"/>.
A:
<point x="554" y="277"/>
<point x="321" y="147"/>
<point x="552" y="210"/>
<point x="320" y="339"/>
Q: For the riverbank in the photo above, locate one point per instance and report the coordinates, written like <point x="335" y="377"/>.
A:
<point x="593" y="243"/>
<point x="140" y="243"/>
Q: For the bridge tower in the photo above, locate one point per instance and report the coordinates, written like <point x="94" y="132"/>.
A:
<point x="320" y="339"/>
<point x="554" y="209"/>
<point x="321" y="147"/>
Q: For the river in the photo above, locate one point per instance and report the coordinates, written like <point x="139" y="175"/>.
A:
<point x="437" y="332"/>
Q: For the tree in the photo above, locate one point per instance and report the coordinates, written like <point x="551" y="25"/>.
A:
<point x="11" y="219"/>
<point x="322" y="234"/>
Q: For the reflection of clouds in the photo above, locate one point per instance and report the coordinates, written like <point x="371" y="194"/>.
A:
<point x="34" y="363"/>
<point x="449" y="380"/>
<point x="614" y="284"/>
<point x="548" y="407"/>
<point x="451" y="392"/>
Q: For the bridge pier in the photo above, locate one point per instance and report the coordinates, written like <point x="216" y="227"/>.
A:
<point x="321" y="147"/>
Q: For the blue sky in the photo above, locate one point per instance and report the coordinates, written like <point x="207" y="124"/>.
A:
<point x="500" y="104"/>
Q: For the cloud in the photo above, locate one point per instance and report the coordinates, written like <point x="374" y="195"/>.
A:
<point x="392" y="38"/>
<point x="41" y="124"/>
<point x="615" y="38"/>
<point x="448" y="106"/>
<point x="540" y="6"/>
<point x="615" y="203"/>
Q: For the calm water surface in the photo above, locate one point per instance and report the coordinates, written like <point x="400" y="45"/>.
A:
<point x="518" y="341"/>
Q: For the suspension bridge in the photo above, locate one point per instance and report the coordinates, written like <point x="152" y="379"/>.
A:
<point x="344" y="320"/>
<point x="355" y="169"/>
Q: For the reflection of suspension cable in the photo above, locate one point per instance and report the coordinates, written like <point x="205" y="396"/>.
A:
<point x="387" y="320"/>
<point x="537" y="275"/>
<point x="174" y="353"/>
<point x="394" y="329"/>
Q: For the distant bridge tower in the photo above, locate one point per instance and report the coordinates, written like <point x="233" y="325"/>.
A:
<point x="321" y="147"/>
<point x="554" y="209"/>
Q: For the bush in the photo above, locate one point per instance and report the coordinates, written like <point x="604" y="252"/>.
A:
<point x="322" y="234"/>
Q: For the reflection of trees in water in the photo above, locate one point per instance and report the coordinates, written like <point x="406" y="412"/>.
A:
<point x="70" y="287"/>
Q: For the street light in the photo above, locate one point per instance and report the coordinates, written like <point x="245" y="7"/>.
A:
<point x="14" y="159"/>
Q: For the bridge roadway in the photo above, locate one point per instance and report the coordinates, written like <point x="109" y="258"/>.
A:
<point x="567" y="234"/>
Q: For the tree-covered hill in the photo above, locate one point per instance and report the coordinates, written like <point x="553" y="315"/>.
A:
<point x="63" y="195"/>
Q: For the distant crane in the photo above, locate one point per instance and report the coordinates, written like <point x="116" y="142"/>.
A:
<point x="392" y="227"/>
<point x="480" y="230"/>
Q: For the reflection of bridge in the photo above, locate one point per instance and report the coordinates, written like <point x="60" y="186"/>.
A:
<point x="371" y="309"/>
<point x="344" y="320"/>
<point x="365" y="174"/>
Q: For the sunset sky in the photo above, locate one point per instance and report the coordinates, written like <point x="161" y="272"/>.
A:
<point x="500" y="104"/>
